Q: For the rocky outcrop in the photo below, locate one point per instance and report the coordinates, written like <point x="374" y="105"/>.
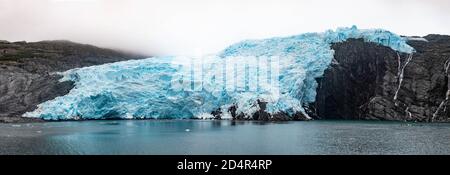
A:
<point x="262" y="114"/>
<point x="26" y="72"/>
<point x="368" y="81"/>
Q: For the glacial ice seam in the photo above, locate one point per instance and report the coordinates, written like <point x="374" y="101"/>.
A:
<point x="435" y="114"/>
<point x="408" y="113"/>
<point x="401" y="74"/>
<point x="447" y="65"/>
<point x="399" y="63"/>
<point x="447" y="95"/>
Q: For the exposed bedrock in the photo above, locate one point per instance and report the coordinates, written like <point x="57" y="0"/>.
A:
<point x="368" y="81"/>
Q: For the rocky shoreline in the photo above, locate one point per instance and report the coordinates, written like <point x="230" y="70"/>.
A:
<point x="366" y="81"/>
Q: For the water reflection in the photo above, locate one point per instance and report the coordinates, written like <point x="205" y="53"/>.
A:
<point x="224" y="137"/>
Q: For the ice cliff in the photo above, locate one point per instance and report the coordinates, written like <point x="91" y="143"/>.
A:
<point x="167" y="87"/>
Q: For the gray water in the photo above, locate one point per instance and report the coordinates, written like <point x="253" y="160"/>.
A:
<point x="224" y="137"/>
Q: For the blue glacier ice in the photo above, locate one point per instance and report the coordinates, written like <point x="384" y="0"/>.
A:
<point x="156" y="87"/>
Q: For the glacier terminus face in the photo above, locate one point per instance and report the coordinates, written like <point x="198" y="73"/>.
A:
<point x="281" y="72"/>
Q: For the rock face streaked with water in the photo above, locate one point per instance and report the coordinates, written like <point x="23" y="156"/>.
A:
<point x="364" y="83"/>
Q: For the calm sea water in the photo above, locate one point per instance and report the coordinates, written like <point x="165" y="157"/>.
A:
<point x="224" y="137"/>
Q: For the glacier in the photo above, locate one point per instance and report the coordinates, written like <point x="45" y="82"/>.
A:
<point x="168" y="87"/>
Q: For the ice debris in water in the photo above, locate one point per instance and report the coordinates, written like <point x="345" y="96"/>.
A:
<point x="145" y="88"/>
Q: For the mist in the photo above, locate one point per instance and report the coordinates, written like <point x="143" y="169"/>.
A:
<point x="198" y="27"/>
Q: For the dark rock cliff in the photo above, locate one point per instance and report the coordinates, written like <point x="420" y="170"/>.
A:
<point x="368" y="81"/>
<point x="26" y="78"/>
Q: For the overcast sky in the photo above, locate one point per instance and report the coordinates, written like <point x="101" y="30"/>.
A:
<point x="195" y="27"/>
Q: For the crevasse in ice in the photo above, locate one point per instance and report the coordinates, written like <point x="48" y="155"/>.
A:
<point x="153" y="87"/>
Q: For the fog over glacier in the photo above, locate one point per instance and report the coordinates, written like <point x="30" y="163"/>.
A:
<point x="197" y="27"/>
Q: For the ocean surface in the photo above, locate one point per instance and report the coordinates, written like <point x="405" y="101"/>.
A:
<point x="224" y="137"/>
